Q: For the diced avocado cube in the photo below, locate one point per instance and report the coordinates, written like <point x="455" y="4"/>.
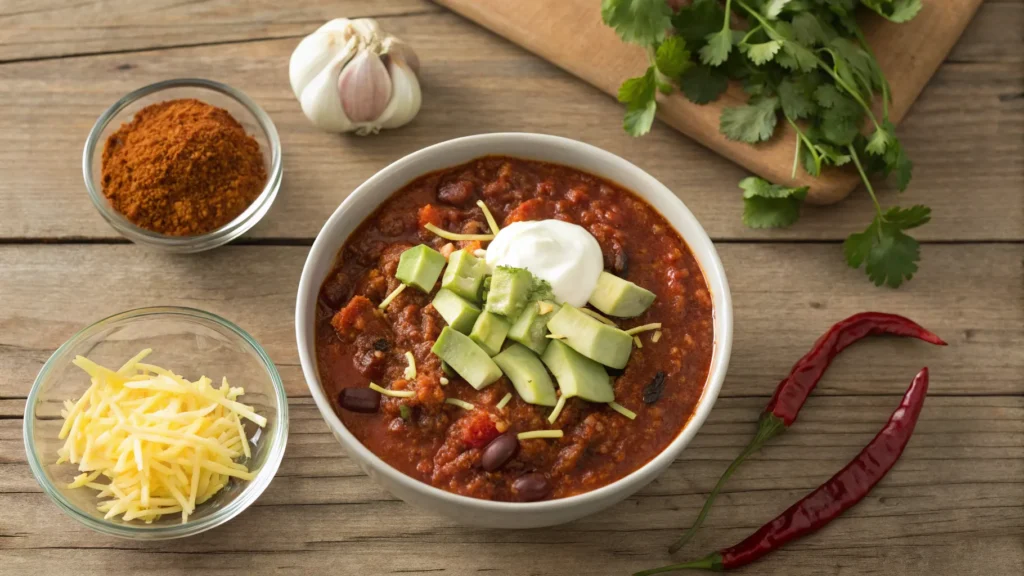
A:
<point x="459" y="313"/>
<point x="466" y="358"/>
<point x="464" y="275"/>
<point x="489" y="332"/>
<point x="592" y="338"/>
<point x="510" y="291"/>
<point x="618" y="297"/>
<point x="420" y="266"/>
<point x="576" y="374"/>
<point x="532" y="325"/>
<point x="527" y="374"/>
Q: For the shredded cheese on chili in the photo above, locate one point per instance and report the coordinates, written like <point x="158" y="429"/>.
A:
<point x="165" y="444"/>
<point x="540" y="434"/>
<point x="454" y="236"/>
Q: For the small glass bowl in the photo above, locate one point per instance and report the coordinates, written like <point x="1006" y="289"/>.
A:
<point x="256" y="123"/>
<point x="182" y="339"/>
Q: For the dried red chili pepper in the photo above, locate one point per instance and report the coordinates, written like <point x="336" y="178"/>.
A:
<point x="794" y="389"/>
<point x="849" y="486"/>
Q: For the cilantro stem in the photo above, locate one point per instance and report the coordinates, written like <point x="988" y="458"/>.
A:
<point x="796" y="155"/>
<point x="725" y="24"/>
<point x="886" y="95"/>
<point x="751" y="33"/>
<point x="801" y="137"/>
<point x="821" y="63"/>
<point x="864" y="177"/>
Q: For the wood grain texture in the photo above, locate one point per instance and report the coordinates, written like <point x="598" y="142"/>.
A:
<point x="954" y="504"/>
<point x="35" y="29"/>
<point x="785" y="296"/>
<point x="965" y="136"/>
<point x="570" y="34"/>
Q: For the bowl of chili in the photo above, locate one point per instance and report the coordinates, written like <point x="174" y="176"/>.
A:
<point x="183" y="165"/>
<point x="522" y="177"/>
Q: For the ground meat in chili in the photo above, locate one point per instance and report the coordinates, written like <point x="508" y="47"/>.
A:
<point x="442" y="444"/>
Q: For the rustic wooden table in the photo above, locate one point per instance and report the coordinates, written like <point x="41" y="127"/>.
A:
<point x="953" y="505"/>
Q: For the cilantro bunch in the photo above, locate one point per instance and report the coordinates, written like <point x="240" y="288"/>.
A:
<point x="803" y="62"/>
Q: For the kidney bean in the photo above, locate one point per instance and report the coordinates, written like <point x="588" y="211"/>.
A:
<point x="531" y="487"/>
<point x="363" y="400"/>
<point x="499" y="451"/>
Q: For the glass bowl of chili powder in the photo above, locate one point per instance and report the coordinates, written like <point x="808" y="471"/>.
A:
<point x="199" y="230"/>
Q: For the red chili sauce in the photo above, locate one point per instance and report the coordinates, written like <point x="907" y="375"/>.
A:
<point x="441" y="444"/>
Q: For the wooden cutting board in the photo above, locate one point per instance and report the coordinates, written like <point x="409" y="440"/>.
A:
<point x="570" y="34"/>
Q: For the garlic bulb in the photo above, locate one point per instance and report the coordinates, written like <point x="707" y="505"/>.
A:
<point x="350" y="75"/>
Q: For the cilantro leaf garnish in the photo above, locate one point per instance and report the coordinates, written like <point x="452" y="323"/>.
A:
<point x="804" y="60"/>
<point x="751" y="122"/>
<point x="895" y="10"/>
<point x="638" y="95"/>
<point x="694" y="23"/>
<point x="717" y="48"/>
<point x="672" y="57"/>
<point x="763" y="52"/>
<point x="767" y="205"/>
<point x="795" y="94"/>
<point x="703" y="84"/>
<point x="773" y="8"/>
<point x="889" y="256"/>
<point x="641" y="22"/>
<point x="541" y="290"/>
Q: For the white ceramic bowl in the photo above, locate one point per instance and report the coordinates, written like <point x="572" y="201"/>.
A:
<point x="554" y="149"/>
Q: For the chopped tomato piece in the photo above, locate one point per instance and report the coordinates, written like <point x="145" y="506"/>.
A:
<point x="480" y="430"/>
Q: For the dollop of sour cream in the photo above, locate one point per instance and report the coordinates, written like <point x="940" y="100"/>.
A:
<point x="564" y="254"/>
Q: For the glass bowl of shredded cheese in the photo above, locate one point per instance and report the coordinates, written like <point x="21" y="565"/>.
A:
<point x="156" y="423"/>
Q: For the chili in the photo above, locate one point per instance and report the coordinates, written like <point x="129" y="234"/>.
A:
<point x="792" y="392"/>
<point x="848" y="487"/>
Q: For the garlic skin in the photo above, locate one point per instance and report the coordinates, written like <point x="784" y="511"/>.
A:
<point x="350" y="75"/>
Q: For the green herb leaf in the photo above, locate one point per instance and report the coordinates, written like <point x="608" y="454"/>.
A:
<point x="895" y="10"/>
<point x="879" y="142"/>
<point x="762" y="53"/>
<point x="773" y="8"/>
<point x="405" y="412"/>
<point x="796" y="96"/>
<point x="672" y="57"/>
<point x="697" y="21"/>
<point x="889" y="256"/>
<point x="717" y="48"/>
<point x="750" y="123"/>
<point x="896" y="160"/>
<point x="638" y="95"/>
<point x="811" y="31"/>
<point x="638" y="120"/>
<point x="541" y="290"/>
<point x="767" y="205"/>
<point x="702" y="84"/>
<point x="642" y="22"/>
<point x="637" y="91"/>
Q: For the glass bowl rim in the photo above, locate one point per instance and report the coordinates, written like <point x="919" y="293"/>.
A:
<point x="241" y="223"/>
<point x="246" y="497"/>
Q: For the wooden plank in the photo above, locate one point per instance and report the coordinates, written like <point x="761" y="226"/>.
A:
<point x="965" y="136"/>
<point x="35" y="29"/>
<point x="968" y="294"/>
<point x="953" y="504"/>
<point x="995" y="35"/>
<point x="571" y="34"/>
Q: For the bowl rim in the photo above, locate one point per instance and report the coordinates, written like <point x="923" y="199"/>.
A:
<point x="217" y="237"/>
<point x="249" y="493"/>
<point x="711" y="265"/>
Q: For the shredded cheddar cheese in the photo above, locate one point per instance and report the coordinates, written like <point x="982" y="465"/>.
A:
<point x="163" y="443"/>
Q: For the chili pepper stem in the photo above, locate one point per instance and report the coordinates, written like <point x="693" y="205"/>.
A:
<point x="769" y="427"/>
<point x="709" y="562"/>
